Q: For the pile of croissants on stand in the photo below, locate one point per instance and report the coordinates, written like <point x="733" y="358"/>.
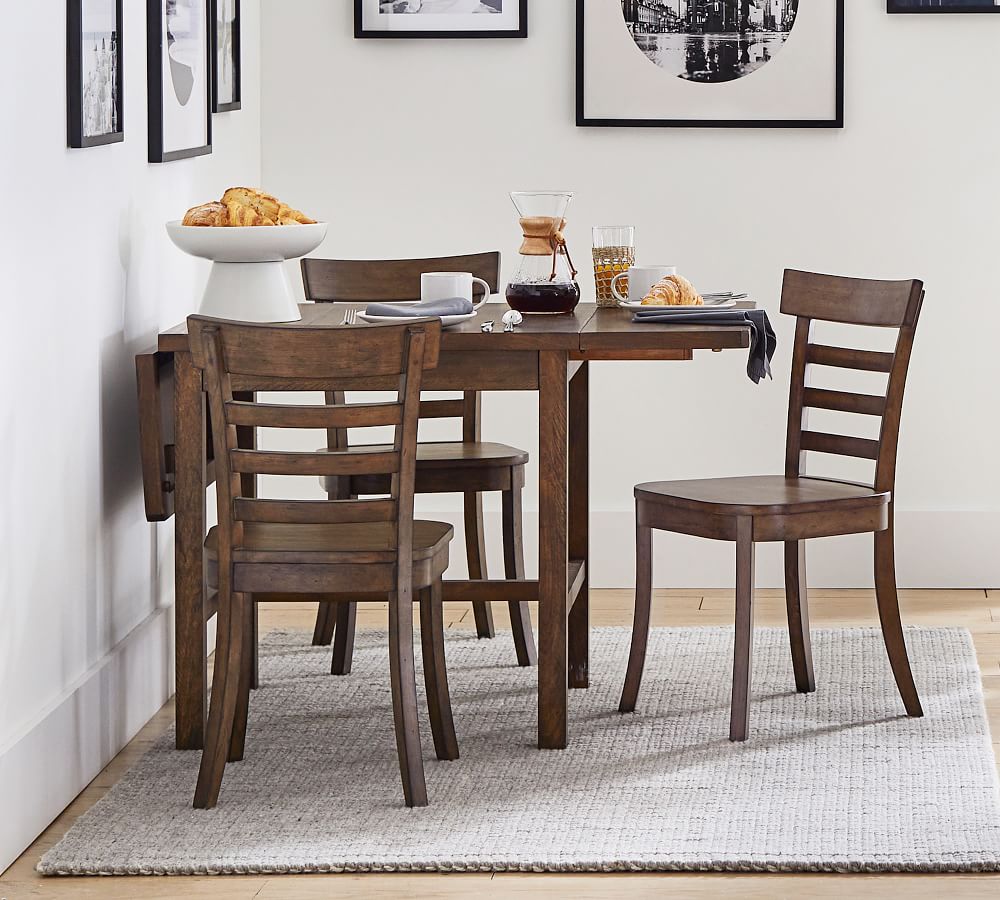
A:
<point x="673" y="290"/>
<point x="242" y="207"/>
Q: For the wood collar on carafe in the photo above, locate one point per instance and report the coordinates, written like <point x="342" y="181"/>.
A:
<point x="543" y="237"/>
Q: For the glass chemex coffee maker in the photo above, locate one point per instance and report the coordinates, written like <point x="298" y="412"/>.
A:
<point x="545" y="281"/>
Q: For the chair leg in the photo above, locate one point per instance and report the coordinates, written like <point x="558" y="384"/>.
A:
<point x="513" y="563"/>
<point x="238" y="740"/>
<point x="640" y="627"/>
<point x="797" y="602"/>
<point x="343" y="638"/>
<point x="254" y="643"/>
<point x="326" y="618"/>
<point x="742" y="662"/>
<point x="892" y="626"/>
<point x="404" y="699"/>
<point x="436" y="673"/>
<point x="475" y="552"/>
<point x="229" y="671"/>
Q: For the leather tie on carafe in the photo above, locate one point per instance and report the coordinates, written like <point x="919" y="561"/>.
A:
<point x="543" y="236"/>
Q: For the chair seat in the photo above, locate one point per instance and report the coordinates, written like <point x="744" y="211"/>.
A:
<point x="366" y="543"/>
<point x="463" y="454"/>
<point x="451" y="466"/>
<point x="761" y="495"/>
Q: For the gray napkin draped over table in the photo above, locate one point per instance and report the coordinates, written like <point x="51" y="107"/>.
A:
<point x="763" y="342"/>
<point x="453" y="306"/>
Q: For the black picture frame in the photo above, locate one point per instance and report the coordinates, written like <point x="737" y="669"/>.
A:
<point x="75" y="86"/>
<point x="897" y="7"/>
<point x="361" y="32"/>
<point x="237" y="101"/>
<point x="154" y="78"/>
<point x="583" y="121"/>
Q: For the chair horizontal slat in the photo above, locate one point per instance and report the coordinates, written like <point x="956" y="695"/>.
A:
<point x="270" y="415"/>
<point x="840" y="445"/>
<point x="315" y="512"/>
<point x="346" y="462"/>
<point x="275" y="384"/>
<point x="854" y="301"/>
<point x="842" y="401"/>
<point x="312" y="351"/>
<point x="845" y="358"/>
<point x="442" y="409"/>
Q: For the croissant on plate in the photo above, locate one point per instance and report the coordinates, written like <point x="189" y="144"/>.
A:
<point x="674" y="290"/>
<point x="243" y="207"/>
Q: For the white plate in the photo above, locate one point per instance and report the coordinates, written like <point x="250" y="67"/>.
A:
<point x="709" y="304"/>
<point x="446" y="321"/>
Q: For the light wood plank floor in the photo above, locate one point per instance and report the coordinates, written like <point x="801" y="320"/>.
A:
<point x="977" y="610"/>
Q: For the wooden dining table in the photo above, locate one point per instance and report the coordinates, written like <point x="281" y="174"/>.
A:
<point x="547" y="354"/>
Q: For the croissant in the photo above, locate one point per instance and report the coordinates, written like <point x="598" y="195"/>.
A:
<point x="289" y="216"/>
<point x="247" y="217"/>
<point x="263" y="204"/>
<point x="663" y="293"/>
<point x="243" y="207"/>
<point x="209" y="215"/>
<point x="689" y="295"/>
<point x="673" y="290"/>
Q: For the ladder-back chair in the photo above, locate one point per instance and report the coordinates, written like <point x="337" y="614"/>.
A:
<point x="470" y="466"/>
<point x="794" y="507"/>
<point x="287" y="548"/>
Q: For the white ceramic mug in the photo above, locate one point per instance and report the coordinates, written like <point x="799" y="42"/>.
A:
<point x="445" y="285"/>
<point x="640" y="280"/>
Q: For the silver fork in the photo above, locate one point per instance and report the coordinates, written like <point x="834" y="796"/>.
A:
<point x="350" y="317"/>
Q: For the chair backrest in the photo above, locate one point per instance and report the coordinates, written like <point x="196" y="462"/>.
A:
<point x="243" y="357"/>
<point x="374" y="280"/>
<point x="851" y="301"/>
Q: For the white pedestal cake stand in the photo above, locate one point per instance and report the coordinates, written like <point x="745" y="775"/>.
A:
<point x="248" y="280"/>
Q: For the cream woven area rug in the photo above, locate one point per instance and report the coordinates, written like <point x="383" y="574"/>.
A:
<point x="837" y="780"/>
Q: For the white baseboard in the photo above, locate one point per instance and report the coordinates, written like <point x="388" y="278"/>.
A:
<point x="933" y="550"/>
<point x="46" y="766"/>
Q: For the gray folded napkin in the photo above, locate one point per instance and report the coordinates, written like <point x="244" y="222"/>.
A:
<point x="453" y="306"/>
<point x="763" y="342"/>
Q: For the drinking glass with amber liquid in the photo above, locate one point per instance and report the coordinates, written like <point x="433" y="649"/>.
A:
<point x="614" y="254"/>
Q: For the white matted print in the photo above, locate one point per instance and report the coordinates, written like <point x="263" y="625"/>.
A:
<point x="94" y="70"/>
<point x="180" y="83"/>
<point x="716" y="63"/>
<point x="440" y="18"/>
<point x="228" y="56"/>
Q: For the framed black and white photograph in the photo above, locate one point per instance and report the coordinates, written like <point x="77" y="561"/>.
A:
<point x="94" y="84"/>
<point x="180" y="64"/>
<point x="440" y="18"/>
<point x="944" y="6"/>
<point x="710" y="63"/>
<point x="227" y="74"/>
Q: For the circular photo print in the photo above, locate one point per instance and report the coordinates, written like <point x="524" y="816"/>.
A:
<point x="710" y="41"/>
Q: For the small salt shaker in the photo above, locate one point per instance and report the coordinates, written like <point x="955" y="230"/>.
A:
<point x="511" y="319"/>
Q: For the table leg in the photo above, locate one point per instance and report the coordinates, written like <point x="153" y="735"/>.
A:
<point x="579" y="524"/>
<point x="552" y="550"/>
<point x="190" y="651"/>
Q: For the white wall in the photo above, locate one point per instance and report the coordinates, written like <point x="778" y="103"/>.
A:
<point x="87" y="278"/>
<point x="409" y="148"/>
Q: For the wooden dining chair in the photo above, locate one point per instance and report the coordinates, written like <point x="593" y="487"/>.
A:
<point x="286" y="548"/>
<point x="795" y="507"/>
<point x="470" y="466"/>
